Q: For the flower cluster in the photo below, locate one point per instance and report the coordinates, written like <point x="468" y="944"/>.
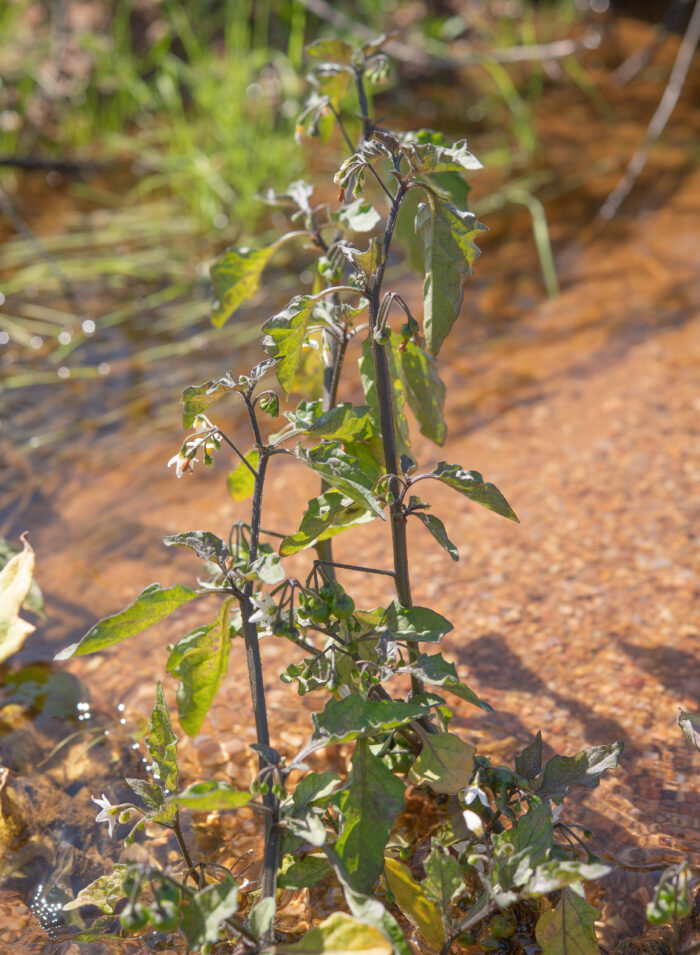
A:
<point x="205" y="437"/>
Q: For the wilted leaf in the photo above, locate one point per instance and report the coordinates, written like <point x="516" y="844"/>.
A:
<point x="424" y="390"/>
<point x="371" y="800"/>
<point x="418" y="909"/>
<point x="341" y="470"/>
<point x="241" y="481"/>
<point x="34" y="601"/>
<point x="569" y="929"/>
<point x="446" y="763"/>
<point x="473" y="486"/>
<point x="104" y="892"/>
<point x="150" y="606"/>
<point x="236" y="278"/>
<point x="437" y="529"/>
<point x="564" y="773"/>
<point x="15" y="582"/>
<point x="449" y="251"/>
<point x="205" y="544"/>
<point x="200" y="660"/>
<point x="353" y="718"/>
<point x="340" y="934"/>
<point x="211" y="796"/>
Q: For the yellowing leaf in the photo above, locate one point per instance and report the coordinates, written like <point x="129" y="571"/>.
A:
<point x="446" y="763"/>
<point x="338" y="935"/>
<point x="418" y="909"/>
<point x="569" y="928"/>
<point x="15" y="581"/>
<point x="235" y="278"/>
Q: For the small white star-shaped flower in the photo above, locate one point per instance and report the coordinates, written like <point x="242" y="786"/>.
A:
<point x="106" y="814"/>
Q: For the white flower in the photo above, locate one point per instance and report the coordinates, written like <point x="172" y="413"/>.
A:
<point x="475" y="792"/>
<point x="182" y="463"/>
<point x="474" y="822"/>
<point x="202" y="423"/>
<point x="265" y="615"/>
<point x="107" y="812"/>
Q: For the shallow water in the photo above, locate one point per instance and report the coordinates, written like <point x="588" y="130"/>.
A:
<point x="583" y="621"/>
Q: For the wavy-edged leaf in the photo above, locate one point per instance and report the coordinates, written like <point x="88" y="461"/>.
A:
<point x="369" y="804"/>
<point x="447" y="235"/>
<point x="416" y="624"/>
<point x="357" y="216"/>
<point x="210" y="796"/>
<point x="162" y="742"/>
<point x="103" y="893"/>
<point x="15" y="584"/>
<point x="564" y="773"/>
<point x="446" y="763"/>
<point x="325" y="516"/>
<point x="434" y="668"/>
<point x="284" y="337"/>
<point x="235" y="278"/>
<point x="431" y="158"/>
<point x="200" y="660"/>
<point x="339" y="934"/>
<point x="150" y="606"/>
<point x="241" y="481"/>
<point x="197" y="398"/>
<point x="205" y="544"/>
<point x="569" y="929"/>
<point x="424" y="390"/>
<point x="342" y="472"/>
<point x="421" y="911"/>
<point x="472" y="485"/>
<point x="437" y="529"/>
<point x="355" y="718"/>
<point x="335" y="50"/>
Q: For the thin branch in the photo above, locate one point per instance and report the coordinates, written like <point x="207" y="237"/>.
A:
<point x="658" y="121"/>
<point x="240" y="454"/>
<point x="363" y="570"/>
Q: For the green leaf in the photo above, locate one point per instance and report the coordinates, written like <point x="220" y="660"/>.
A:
<point x="443" y="877"/>
<point x="398" y="399"/>
<point x="529" y="763"/>
<point x="437" y="529"/>
<point x="34" y="601"/>
<point x="210" y="796"/>
<point x="433" y="668"/>
<point x="344" y="422"/>
<point x="302" y="873"/>
<point x="236" y="278"/>
<point x="446" y="763"/>
<point x="358" y="216"/>
<point x="162" y="742"/>
<point x="308" y="826"/>
<point x="339" y="934"/>
<point x="367" y="262"/>
<point x="341" y="470"/>
<point x="197" y="398"/>
<point x="690" y="724"/>
<point x="429" y="158"/>
<point x="325" y="516"/>
<point x="261" y="916"/>
<point x="313" y="789"/>
<point x="424" y="390"/>
<point x="204" y="913"/>
<point x="555" y="874"/>
<point x="355" y="718"/>
<point x="205" y="544"/>
<point x="285" y="335"/>
<point x="266" y="568"/>
<point x="368" y="806"/>
<point x="564" y="773"/>
<point x="200" y="660"/>
<point x="448" y="254"/>
<point x="241" y="481"/>
<point x="472" y="485"/>
<point x="15" y="582"/>
<point x="570" y="928"/>
<point x="104" y="892"/>
<point x="150" y="793"/>
<point x="418" y="909"/>
<point x="416" y="624"/>
<point x="521" y="849"/>
<point x="336" y="50"/>
<point x="150" y="606"/>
